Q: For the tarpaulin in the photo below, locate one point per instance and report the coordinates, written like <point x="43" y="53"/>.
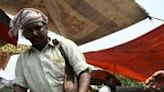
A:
<point x="4" y="29"/>
<point x="137" y="59"/>
<point x="83" y="20"/>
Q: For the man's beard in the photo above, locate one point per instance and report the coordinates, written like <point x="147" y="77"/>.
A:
<point x="38" y="43"/>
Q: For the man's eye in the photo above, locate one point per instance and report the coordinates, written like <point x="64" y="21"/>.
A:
<point x="40" y="28"/>
<point x="37" y="27"/>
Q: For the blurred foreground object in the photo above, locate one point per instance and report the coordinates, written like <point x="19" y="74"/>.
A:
<point x="5" y="85"/>
<point x="105" y="89"/>
<point x="104" y="78"/>
<point x="6" y="50"/>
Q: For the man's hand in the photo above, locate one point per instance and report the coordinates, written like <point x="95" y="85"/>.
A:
<point x="69" y="87"/>
<point x="156" y="80"/>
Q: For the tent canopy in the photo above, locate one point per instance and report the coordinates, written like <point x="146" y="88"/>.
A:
<point x="82" y="20"/>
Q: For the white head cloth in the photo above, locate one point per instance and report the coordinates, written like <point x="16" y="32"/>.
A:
<point x="105" y="88"/>
<point x="26" y="16"/>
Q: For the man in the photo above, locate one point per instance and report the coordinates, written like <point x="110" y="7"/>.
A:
<point x="41" y="68"/>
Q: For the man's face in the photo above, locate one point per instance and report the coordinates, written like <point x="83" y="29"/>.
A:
<point x="35" y="32"/>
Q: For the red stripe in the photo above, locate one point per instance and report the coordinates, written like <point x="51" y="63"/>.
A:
<point x="137" y="59"/>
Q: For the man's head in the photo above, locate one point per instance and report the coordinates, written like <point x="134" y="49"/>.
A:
<point x="33" y="24"/>
<point x="36" y="33"/>
<point x="24" y="17"/>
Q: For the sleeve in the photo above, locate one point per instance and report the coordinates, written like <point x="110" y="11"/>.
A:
<point x="76" y="57"/>
<point x="19" y="75"/>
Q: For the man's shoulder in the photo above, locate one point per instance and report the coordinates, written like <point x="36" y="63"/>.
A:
<point x="26" y="51"/>
<point x="62" y="40"/>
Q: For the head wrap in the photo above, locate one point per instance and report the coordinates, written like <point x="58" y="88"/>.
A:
<point x="26" y="16"/>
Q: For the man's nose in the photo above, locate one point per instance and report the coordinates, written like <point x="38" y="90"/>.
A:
<point x="35" y="32"/>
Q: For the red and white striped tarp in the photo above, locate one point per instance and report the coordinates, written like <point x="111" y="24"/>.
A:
<point x="137" y="59"/>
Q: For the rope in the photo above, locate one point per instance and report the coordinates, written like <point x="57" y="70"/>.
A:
<point x="151" y="17"/>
